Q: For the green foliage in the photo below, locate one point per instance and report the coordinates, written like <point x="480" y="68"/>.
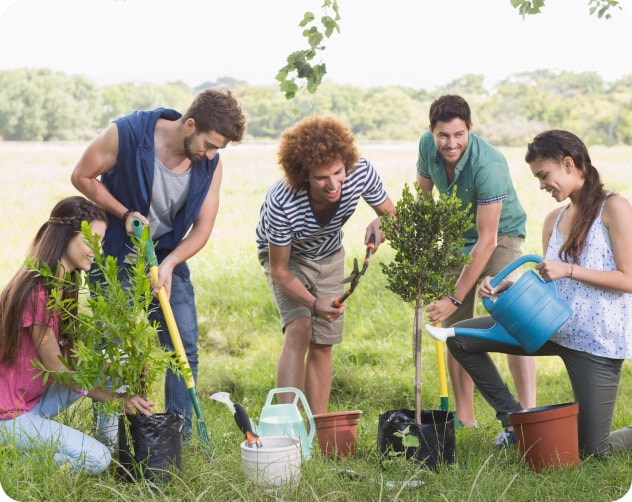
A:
<point x="111" y="334"/>
<point x="519" y="107"/>
<point x="44" y="105"/>
<point x="528" y="7"/>
<point x="600" y="7"/>
<point x="299" y="63"/>
<point x="426" y="234"/>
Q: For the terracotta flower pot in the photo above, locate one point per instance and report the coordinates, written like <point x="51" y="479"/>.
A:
<point x="547" y="436"/>
<point x="337" y="433"/>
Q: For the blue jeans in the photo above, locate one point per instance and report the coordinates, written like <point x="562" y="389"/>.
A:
<point x="182" y="300"/>
<point x="36" y="429"/>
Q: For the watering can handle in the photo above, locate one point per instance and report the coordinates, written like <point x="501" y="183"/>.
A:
<point x="513" y="266"/>
<point x="298" y="394"/>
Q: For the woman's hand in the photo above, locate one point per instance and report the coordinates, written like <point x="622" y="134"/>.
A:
<point x="134" y="404"/>
<point x="551" y="270"/>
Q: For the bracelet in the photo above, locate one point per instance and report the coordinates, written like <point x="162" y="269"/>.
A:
<point x="82" y="392"/>
<point x="314" y="308"/>
<point x="571" y="275"/>
<point x="454" y="301"/>
<point x="126" y="214"/>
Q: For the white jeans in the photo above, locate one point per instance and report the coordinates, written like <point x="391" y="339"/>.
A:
<point x="36" y="429"/>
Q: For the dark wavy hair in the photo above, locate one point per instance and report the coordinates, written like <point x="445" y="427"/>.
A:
<point x="47" y="249"/>
<point x="449" y="107"/>
<point x="217" y="110"/>
<point x="556" y="145"/>
<point x="312" y="143"/>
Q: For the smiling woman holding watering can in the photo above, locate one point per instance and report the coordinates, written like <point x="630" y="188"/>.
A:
<point x="31" y="331"/>
<point x="586" y="245"/>
<point x="299" y="241"/>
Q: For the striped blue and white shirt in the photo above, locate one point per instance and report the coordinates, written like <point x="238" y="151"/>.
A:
<point x="287" y="218"/>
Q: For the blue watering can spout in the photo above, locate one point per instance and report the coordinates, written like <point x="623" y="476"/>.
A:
<point x="496" y="333"/>
<point x="527" y="314"/>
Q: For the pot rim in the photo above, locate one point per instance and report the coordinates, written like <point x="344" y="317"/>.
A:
<point x="539" y="409"/>
<point x="337" y="414"/>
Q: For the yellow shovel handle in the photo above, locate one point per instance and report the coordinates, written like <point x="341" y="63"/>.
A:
<point x="443" y="381"/>
<point x="176" y="340"/>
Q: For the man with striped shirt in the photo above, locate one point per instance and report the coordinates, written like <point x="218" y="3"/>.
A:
<point x="299" y="241"/>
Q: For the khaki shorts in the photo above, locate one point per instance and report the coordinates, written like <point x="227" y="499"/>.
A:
<point x="508" y="250"/>
<point x="322" y="279"/>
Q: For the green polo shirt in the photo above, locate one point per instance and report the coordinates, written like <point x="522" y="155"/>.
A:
<point x="481" y="177"/>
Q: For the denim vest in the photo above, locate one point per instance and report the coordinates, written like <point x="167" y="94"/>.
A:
<point x="131" y="181"/>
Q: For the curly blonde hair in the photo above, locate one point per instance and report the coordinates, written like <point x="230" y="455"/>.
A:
<point x="312" y="143"/>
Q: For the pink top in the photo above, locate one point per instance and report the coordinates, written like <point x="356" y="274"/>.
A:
<point x="20" y="391"/>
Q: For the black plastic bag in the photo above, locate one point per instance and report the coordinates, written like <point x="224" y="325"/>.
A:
<point x="157" y="444"/>
<point x="432" y="442"/>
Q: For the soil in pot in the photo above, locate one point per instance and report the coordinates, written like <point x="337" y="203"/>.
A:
<point x="157" y="448"/>
<point x="432" y="442"/>
<point x="337" y="433"/>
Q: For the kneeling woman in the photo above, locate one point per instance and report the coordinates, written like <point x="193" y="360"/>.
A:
<point x="30" y="330"/>
<point x="587" y="252"/>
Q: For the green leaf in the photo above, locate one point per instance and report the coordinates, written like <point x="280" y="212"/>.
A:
<point x="308" y="17"/>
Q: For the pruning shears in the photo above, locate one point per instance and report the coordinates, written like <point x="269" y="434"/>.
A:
<point x="355" y="275"/>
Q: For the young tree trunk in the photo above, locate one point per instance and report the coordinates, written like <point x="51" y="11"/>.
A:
<point x="417" y="359"/>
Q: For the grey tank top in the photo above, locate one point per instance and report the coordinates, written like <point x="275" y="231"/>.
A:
<point x="169" y="194"/>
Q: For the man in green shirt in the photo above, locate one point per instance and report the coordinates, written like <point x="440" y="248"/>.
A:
<point x="455" y="160"/>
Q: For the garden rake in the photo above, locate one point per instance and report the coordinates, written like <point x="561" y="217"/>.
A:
<point x="165" y="306"/>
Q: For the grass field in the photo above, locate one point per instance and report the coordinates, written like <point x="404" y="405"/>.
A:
<point x="373" y="371"/>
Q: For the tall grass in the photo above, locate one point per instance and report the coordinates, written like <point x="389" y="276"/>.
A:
<point x="373" y="371"/>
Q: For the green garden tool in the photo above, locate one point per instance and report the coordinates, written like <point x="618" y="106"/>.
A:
<point x="137" y="225"/>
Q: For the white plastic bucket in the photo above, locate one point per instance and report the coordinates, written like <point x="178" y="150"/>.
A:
<point x="277" y="463"/>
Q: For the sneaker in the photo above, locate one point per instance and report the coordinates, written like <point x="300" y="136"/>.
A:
<point x="505" y="439"/>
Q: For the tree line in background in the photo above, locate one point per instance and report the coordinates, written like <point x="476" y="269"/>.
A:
<point x="42" y="105"/>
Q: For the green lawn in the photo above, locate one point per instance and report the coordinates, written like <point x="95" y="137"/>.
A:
<point x="373" y="370"/>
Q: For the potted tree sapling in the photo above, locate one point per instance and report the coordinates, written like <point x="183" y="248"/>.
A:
<point x="114" y="341"/>
<point x="426" y="235"/>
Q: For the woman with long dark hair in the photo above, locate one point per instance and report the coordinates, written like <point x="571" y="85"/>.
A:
<point x="587" y="246"/>
<point x="31" y="329"/>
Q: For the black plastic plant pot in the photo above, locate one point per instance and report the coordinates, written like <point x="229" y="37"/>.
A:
<point x="157" y="442"/>
<point x="432" y="442"/>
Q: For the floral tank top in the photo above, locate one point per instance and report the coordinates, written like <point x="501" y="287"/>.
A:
<point x="601" y="323"/>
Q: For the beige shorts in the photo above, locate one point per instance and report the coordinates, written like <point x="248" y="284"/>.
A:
<point x="508" y="250"/>
<point x="322" y="279"/>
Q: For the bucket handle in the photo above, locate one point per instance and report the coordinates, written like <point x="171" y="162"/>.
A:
<point x="298" y="395"/>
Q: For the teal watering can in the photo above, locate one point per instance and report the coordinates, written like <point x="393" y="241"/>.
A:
<point x="286" y="419"/>
<point x="527" y="314"/>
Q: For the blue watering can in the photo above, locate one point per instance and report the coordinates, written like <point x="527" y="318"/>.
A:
<point x="527" y="314"/>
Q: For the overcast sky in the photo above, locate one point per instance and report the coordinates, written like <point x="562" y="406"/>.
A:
<point x="415" y="43"/>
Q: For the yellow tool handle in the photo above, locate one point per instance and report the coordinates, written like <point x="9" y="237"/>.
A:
<point x="173" y="328"/>
<point x="443" y="381"/>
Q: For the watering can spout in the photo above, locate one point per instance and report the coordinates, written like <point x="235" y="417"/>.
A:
<point x="526" y="314"/>
<point x="441" y="334"/>
<point x="495" y="334"/>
